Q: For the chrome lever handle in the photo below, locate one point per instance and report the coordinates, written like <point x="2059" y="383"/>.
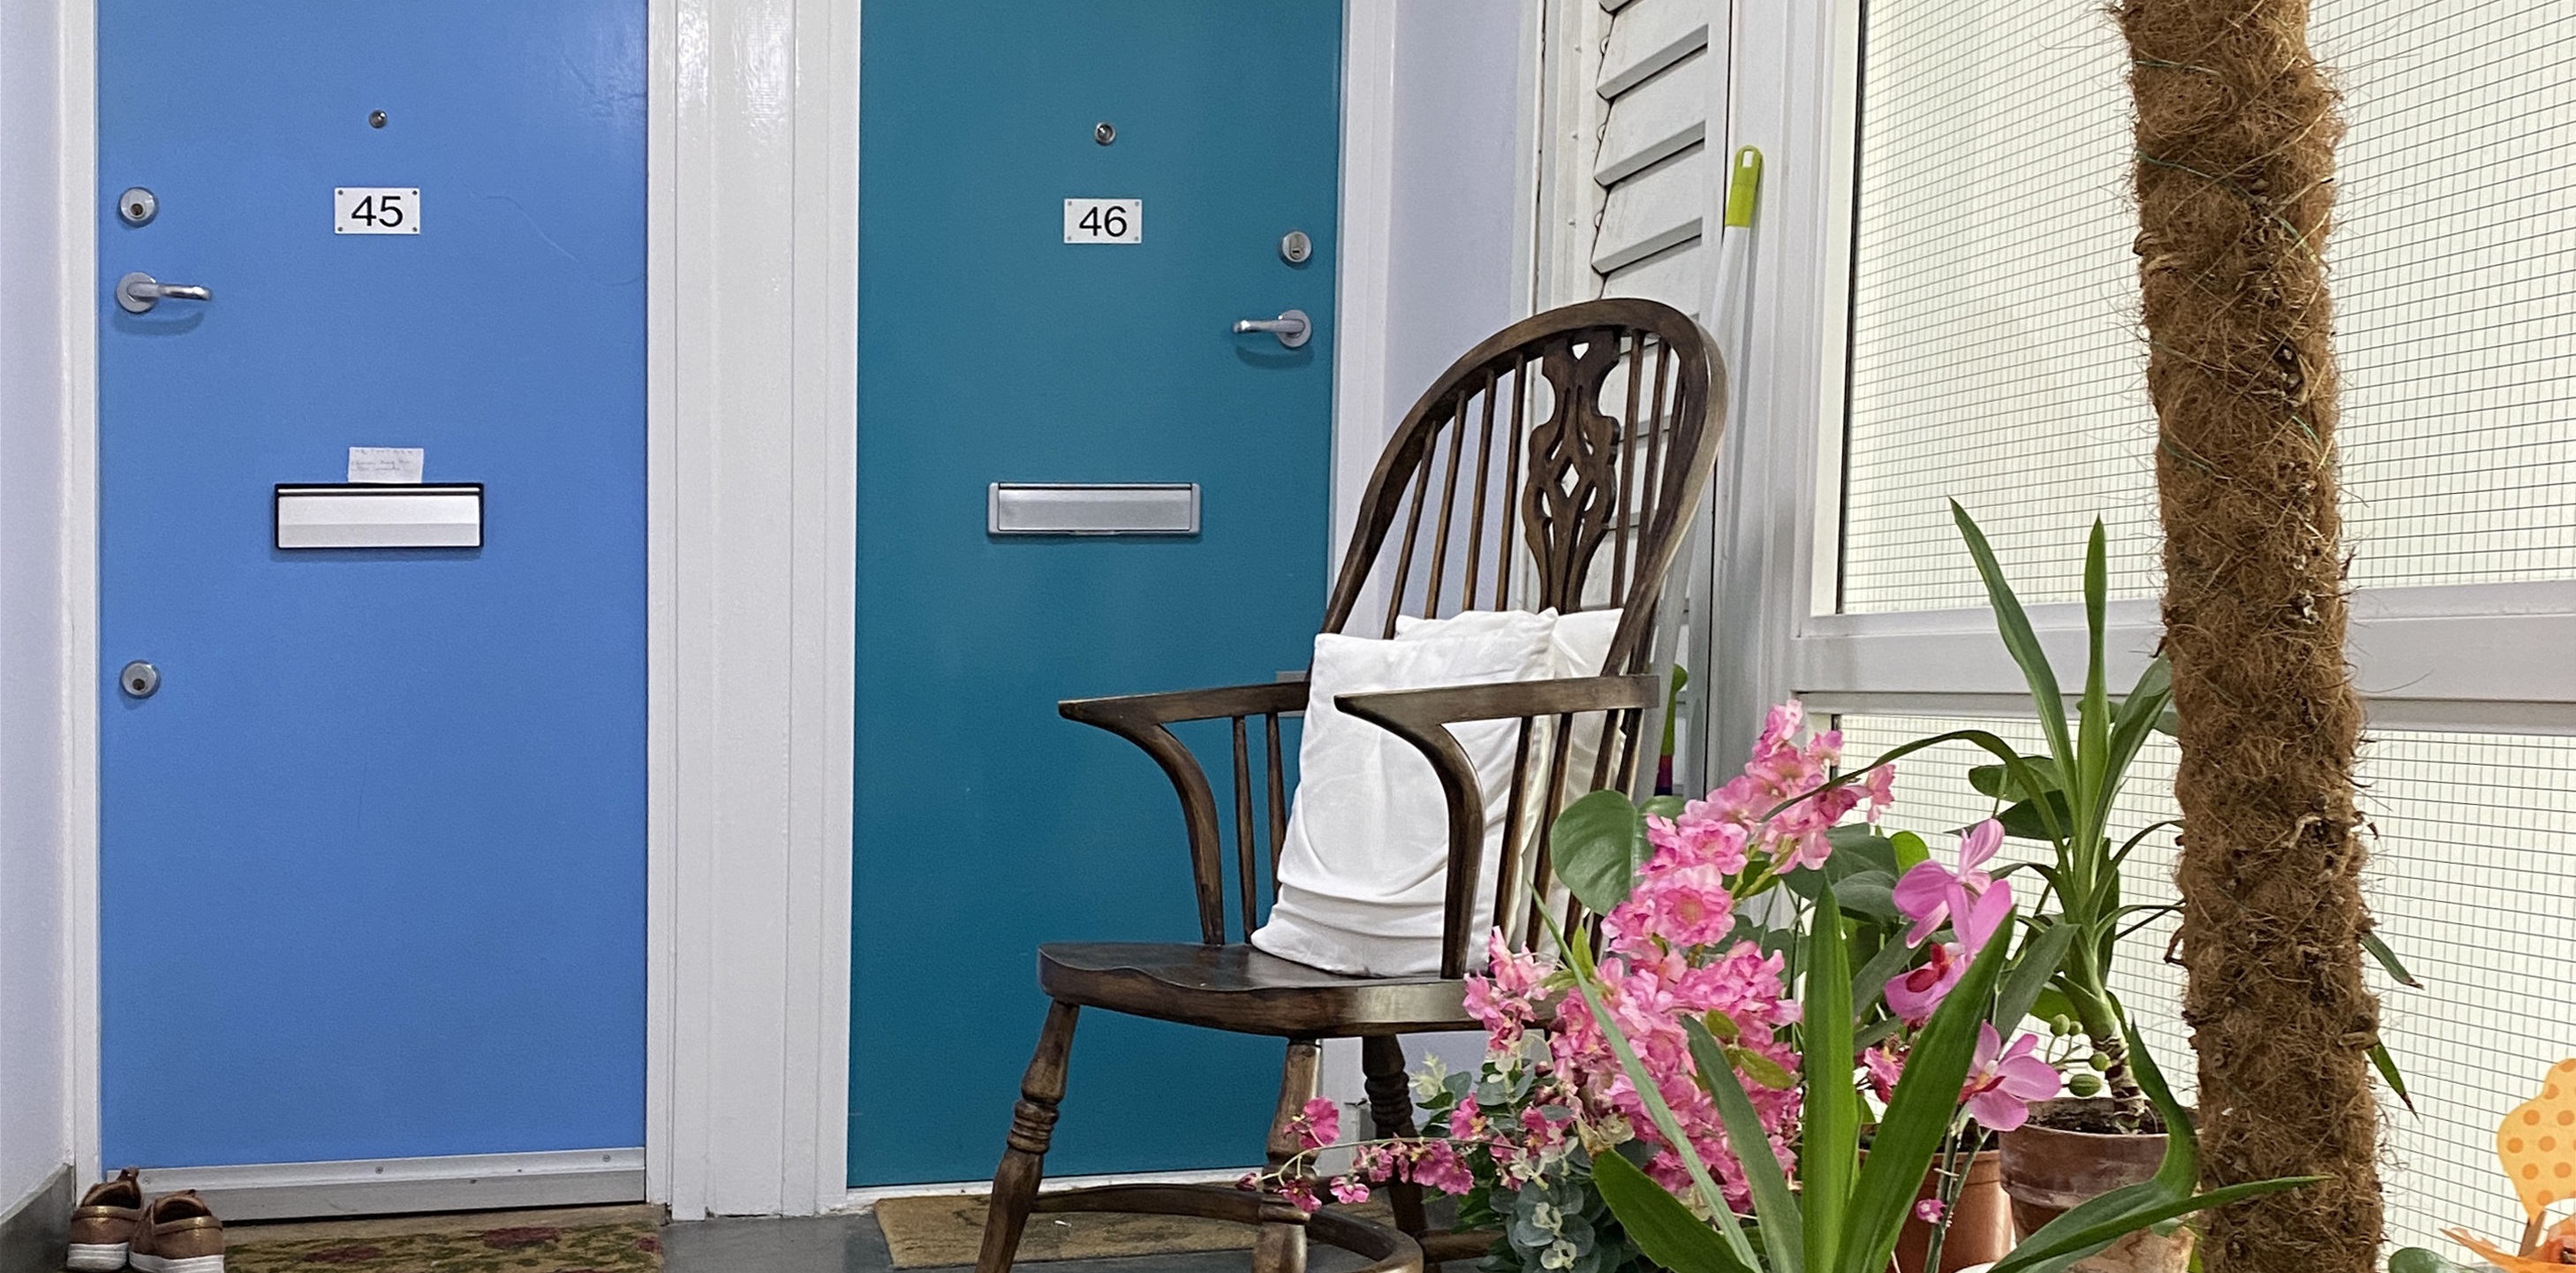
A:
<point x="1291" y="327"/>
<point x="138" y="292"/>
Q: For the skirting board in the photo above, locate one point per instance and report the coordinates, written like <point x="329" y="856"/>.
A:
<point x="393" y="1186"/>
<point x="866" y="1197"/>
<point x="32" y="1237"/>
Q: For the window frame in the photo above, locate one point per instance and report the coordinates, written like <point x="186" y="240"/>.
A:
<point x="2479" y="658"/>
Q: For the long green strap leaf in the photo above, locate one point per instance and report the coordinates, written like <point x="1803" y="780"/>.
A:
<point x="1658" y="1222"/>
<point x="1918" y="1117"/>
<point x="1832" y="1109"/>
<point x="2093" y="713"/>
<point x="2040" y="958"/>
<point x="2020" y="641"/>
<point x="1774" y="1204"/>
<point x="2048" y="1251"/>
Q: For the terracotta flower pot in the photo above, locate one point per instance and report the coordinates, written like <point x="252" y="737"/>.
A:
<point x="1981" y="1227"/>
<point x="2047" y="1170"/>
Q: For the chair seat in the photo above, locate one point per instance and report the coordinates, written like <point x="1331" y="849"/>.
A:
<point x="1246" y="990"/>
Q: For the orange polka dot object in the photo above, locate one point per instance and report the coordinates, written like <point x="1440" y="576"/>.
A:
<point x="2540" y="1159"/>
<point x="2542" y="1163"/>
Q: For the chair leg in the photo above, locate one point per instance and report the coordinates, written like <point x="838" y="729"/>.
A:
<point x="1281" y="1246"/>
<point x="1015" y="1182"/>
<point x="1390" y="1096"/>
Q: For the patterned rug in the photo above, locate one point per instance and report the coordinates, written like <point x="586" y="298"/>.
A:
<point x="629" y="1247"/>
<point x="947" y="1231"/>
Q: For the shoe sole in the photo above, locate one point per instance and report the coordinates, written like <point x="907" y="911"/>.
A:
<point x="96" y="1257"/>
<point x="187" y="1264"/>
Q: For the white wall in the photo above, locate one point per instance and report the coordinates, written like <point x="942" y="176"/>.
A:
<point x="35" y="1083"/>
<point x="1435" y="218"/>
<point x="1454" y="272"/>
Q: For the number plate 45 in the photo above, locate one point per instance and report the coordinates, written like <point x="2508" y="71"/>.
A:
<point x="1104" y="220"/>
<point x="375" y="210"/>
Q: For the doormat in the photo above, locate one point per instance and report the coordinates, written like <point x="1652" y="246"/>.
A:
<point x="463" y="1247"/>
<point x="947" y="1231"/>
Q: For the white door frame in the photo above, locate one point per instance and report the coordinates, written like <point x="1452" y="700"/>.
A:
<point x="752" y="216"/>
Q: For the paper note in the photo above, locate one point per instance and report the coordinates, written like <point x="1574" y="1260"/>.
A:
<point x="386" y="465"/>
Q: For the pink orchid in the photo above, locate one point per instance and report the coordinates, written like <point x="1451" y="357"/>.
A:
<point x="1972" y="901"/>
<point x="1318" y="1125"/>
<point x="1914" y="993"/>
<point x="1928" y="1211"/>
<point x="2003" y="1081"/>
<point x="1884" y="1068"/>
<point x="1350" y="1191"/>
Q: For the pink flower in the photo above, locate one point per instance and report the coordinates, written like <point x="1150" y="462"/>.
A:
<point x="1928" y="1211"/>
<point x="1301" y="1195"/>
<point x="1914" y="993"/>
<point x="1439" y="1167"/>
<point x="1320" y="1124"/>
<point x="1350" y="1190"/>
<point x="2003" y="1081"/>
<point x="1972" y="901"/>
<point x="1884" y="1068"/>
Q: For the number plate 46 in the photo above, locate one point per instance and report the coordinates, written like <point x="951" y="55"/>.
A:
<point x="375" y="210"/>
<point x="1104" y="220"/>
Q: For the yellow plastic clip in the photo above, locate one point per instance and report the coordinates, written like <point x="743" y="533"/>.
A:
<point x="1743" y="186"/>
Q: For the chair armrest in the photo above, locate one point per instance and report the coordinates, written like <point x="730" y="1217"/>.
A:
<point x="1422" y="718"/>
<point x="1180" y="705"/>
<point x="1145" y="720"/>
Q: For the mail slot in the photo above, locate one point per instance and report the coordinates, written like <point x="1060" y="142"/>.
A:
<point x="356" y="515"/>
<point x="1094" y="508"/>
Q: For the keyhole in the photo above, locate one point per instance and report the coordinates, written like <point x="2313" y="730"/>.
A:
<point x="134" y="210"/>
<point x="137" y="684"/>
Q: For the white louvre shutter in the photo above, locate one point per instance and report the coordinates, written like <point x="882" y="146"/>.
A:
<point x="1661" y="76"/>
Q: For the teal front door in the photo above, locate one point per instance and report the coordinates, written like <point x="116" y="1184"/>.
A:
<point x="1063" y="210"/>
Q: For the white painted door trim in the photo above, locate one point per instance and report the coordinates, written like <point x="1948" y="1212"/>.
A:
<point x="752" y="361"/>
<point x="754" y="406"/>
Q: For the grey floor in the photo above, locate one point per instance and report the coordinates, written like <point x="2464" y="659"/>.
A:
<point x="852" y="1244"/>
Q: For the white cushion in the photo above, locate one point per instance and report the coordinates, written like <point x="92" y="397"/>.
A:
<point x="1364" y="870"/>
<point x="1363" y="873"/>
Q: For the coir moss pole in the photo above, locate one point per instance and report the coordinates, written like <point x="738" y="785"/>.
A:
<point x="2235" y="181"/>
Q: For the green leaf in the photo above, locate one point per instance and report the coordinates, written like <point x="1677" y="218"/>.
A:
<point x="1917" y="1119"/>
<point x="2388" y="960"/>
<point x="2138" y="715"/>
<point x="1911" y="851"/>
<point x="2049" y="1251"/>
<point x="2052" y="1004"/>
<point x="1832" y="1111"/>
<point x="2415" y="1259"/>
<point x="2387" y="1064"/>
<point x="1857" y="849"/>
<point x="1658" y="1222"/>
<point x="2040" y="958"/>
<point x="1872" y="894"/>
<point x="2093" y="775"/>
<point x="2024" y="821"/>
<point x="1597" y="845"/>
<point x="1765" y="1071"/>
<point x="1994" y="780"/>
<point x="1782" y="1228"/>
<point x="2019" y="639"/>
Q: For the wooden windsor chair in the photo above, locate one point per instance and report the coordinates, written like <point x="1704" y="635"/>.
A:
<point x="1554" y="465"/>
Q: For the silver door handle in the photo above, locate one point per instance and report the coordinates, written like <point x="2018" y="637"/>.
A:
<point x="1291" y="327"/>
<point x="138" y="292"/>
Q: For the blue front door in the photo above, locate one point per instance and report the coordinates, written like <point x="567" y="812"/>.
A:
<point x="372" y="854"/>
<point x="991" y="349"/>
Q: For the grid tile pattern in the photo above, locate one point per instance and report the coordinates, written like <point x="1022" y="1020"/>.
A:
<point x="1994" y="351"/>
<point x="2473" y="868"/>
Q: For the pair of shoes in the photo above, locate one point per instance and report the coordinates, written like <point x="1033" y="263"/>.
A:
<point x="114" y="1227"/>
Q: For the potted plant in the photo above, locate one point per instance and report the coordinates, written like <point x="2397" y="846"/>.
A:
<point x="2109" y="1133"/>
